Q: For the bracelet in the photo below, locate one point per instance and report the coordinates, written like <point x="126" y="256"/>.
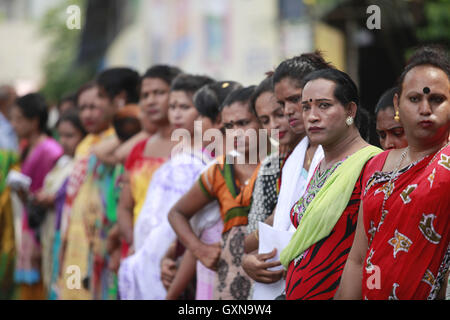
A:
<point x="256" y="234"/>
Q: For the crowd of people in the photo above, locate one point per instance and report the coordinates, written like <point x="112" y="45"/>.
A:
<point x="120" y="199"/>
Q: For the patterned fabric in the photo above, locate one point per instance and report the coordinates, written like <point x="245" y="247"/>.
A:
<point x="316" y="183"/>
<point x="8" y="160"/>
<point x="92" y="217"/>
<point x="219" y="182"/>
<point x="206" y="278"/>
<point x="291" y="189"/>
<point x="409" y="241"/>
<point x="265" y="193"/>
<point x="79" y="173"/>
<point x="140" y="273"/>
<point x="141" y="170"/>
<point x="232" y="282"/>
<point x="320" y="217"/>
<point x="52" y="183"/>
<point x="37" y="164"/>
<point x="56" y="246"/>
<point x="316" y="273"/>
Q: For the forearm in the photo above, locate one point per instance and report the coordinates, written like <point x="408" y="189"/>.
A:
<point x="126" y="226"/>
<point x="251" y="242"/>
<point x="183" y="229"/>
<point x="350" y="287"/>
<point x="105" y="151"/>
<point x="122" y="152"/>
<point x="125" y="222"/>
<point x="185" y="274"/>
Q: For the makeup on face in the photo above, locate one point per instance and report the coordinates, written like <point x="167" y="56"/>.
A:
<point x="390" y="132"/>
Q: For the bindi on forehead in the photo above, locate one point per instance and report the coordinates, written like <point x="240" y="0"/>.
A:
<point x="426" y="90"/>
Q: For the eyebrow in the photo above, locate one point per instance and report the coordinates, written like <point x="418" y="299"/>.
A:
<point x="276" y="109"/>
<point x="293" y="96"/>
<point x="389" y="129"/>
<point x="317" y="100"/>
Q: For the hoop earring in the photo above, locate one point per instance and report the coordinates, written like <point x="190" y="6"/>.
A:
<point x="397" y="116"/>
<point x="349" y="121"/>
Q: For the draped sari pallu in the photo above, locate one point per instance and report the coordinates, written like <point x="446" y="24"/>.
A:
<point x="8" y="160"/>
<point x="140" y="273"/>
<point x="85" y="274"/>
<point x="325" y="218"/>
<point x="408" y="252"/>
<point x="37" y="165"/>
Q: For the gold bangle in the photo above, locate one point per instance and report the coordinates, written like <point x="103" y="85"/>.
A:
<point x="256" y="235"/>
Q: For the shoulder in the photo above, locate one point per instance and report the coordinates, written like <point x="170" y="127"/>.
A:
<point x="136" y="153"/>
<point x="51" y="146"/>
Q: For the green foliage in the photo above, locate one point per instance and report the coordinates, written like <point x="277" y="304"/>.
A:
<point x="62" y="76"/>
<point x="437" y="13"/>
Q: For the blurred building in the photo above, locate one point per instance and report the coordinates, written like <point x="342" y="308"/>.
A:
<point x="228" y="39"/>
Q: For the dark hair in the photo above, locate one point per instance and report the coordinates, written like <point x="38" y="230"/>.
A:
<point x="72" y="115"/>
<point x="72" y="98"/>
<point x="163" y="72"/>
<point x="126" y="122"/>
<point x="33" y="106"/>
<point x="189" y="83"/>
<point x="242" y="95"/>
<point x="265" y="86"/>
<point x="365" y="124"/>
<point x="345" y="91"/>
<point x="210" y="97"/>
<point x="386" y="100"/>
<point x="116" y="80"/>
<point x="83" y="88"/>
<point x="298" y="67"/>
<point x="434" y="55"/>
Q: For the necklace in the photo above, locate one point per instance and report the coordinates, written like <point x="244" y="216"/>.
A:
<point x="308" y="162"/>
<point x="389" y="184"/>
<point x="392" y="176"/>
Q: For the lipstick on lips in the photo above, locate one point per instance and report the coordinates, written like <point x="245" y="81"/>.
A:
<point x="314" y="129"/>
<point x="426" y="124"/>
<point x="293" y="122"/>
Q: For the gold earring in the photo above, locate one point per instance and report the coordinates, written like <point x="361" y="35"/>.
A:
<point x="397" y="116"/>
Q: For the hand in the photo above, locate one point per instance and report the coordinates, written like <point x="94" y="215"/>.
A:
<point x="208" y="254"/>
<point x="114" y="261"/>
<point x="131" y="250"/>
<point x="168" y="271"/>
<point x="255" y="266"/>
<point x="43" y="200"/>
<point x="113" y="241"/>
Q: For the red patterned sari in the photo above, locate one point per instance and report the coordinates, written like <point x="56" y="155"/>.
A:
<point x="409" y="243"/>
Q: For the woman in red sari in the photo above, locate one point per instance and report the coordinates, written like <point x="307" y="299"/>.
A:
<point x="401" y="248"/>
<point x="325" y="216"/>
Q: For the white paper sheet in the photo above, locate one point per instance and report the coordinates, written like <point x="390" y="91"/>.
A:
<point x="270" y="238"/>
